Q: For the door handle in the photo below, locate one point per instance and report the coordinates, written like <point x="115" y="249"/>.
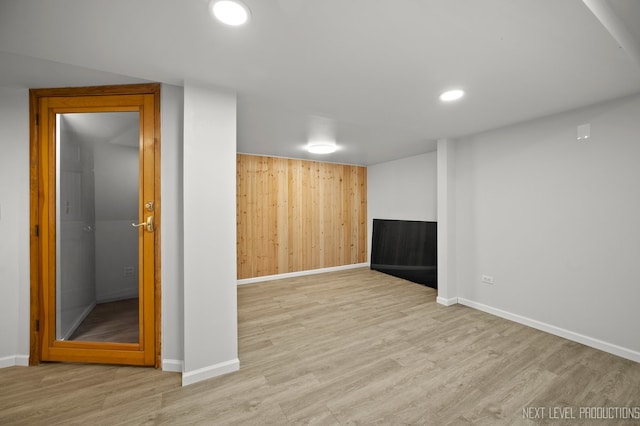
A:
<point x="148" y="224"/>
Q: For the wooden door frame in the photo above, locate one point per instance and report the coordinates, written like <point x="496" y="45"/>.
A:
<point x="36" y="210"/>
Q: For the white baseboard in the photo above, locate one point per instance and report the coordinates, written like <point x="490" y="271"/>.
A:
<point x="301" y="273"/>
<point x="22" y="360"/>
<point x="447" y="302"/>
<point x="14" y="360"/>
<point x="552" y="329"/>
<point x="8" y="361"/>
<point x="174" y="365"/>
<point x="191" y="377"/>
<point x="78" y="321"/>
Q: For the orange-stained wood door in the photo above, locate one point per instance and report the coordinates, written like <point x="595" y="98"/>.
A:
<point x="95" y="201"/>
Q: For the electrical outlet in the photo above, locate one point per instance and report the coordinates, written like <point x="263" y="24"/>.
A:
<point x="487" y="279"/>
<point x="128" y="271"/>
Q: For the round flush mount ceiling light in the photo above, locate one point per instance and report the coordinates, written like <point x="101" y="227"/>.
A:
<point x="230" y="12"/>
<point x="324" y="147"/>
<point x="451" y="95"/>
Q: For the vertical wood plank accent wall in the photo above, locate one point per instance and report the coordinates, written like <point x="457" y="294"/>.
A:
<point x="299" y="215"/>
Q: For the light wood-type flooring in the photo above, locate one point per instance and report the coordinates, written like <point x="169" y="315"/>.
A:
<point x="110" y="322"/>
<point x="351" y="347"/>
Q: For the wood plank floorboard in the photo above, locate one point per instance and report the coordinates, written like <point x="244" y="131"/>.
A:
<point x="110" y="322"/>
<point x="343" y="348"/>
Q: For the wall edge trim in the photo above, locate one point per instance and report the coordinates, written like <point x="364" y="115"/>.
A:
<point x="210" y="371"/>
<point x="555" y="330"/>
<point x="173" y="365"/>
<point x="447" y="302"/>
<point x="14" y="361"/>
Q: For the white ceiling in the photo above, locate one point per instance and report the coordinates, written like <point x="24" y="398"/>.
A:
<point x="367" y="71"/>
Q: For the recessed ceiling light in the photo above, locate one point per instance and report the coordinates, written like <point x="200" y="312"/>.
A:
<point x="230" y="12"/>
<point x="451" y="95"/>
<point x="324" y="147"/>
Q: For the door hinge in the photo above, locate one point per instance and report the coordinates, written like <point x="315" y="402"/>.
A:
<point x="37" y="119"/>
<point x="36" y="231"/>
<point x="37" y="325"/>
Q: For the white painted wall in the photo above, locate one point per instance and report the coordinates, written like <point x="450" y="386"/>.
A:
<point x="116" y="205"/>
<point x="404" y="189"/>
<point x="209" y="172"/>
<point x="446" y="223"/>
<point x="116" y="250"/>
<point x="116" y="181"/>
<point x="14" y="227"/>
<point x="75" y="222"/>
<point x="555" y="222"/>
<point x="171" y="232"/>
